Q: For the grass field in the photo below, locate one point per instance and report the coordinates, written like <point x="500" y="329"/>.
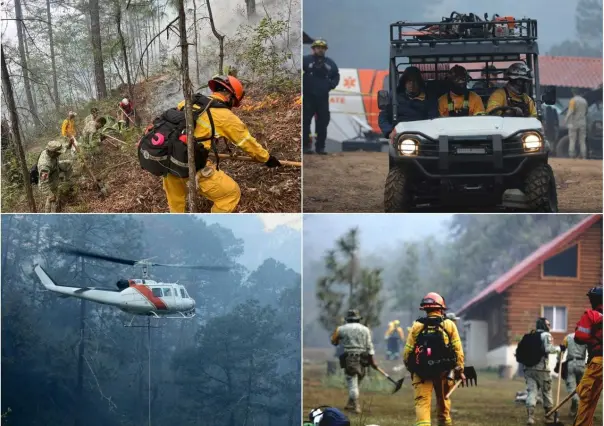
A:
<point x="490" y="403"/>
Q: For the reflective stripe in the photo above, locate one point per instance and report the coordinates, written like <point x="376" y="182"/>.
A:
<point x="244" y="140"/>
<point x="151" y="157"/>
<point x="178" y="163"/>
<point x="584" y="330"/>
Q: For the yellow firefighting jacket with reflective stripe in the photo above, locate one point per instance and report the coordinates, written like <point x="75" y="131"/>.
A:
<point x="229" y="126"/>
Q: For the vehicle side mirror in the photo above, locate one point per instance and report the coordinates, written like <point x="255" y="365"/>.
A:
<point x="549" y="96"/>
<point x="383" y="100"/>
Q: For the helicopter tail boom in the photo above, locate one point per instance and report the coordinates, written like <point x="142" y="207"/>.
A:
<point x="108" y="297"/>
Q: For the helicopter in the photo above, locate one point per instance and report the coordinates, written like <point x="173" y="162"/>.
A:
<point x="144" y="296"/>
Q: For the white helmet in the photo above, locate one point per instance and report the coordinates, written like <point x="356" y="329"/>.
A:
<point x="125" y="101"/>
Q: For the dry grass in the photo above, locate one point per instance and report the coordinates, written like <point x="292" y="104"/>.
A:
<point x="273" y="119"/>
<point x="490" y="403"/>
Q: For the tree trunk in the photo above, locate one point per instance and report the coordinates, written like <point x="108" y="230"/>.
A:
<point x="55" y="85"/>
<point x="26" y="81"/>
<point x="220" y="39"/>
<point x="95" y="35"/>
<point x="12" y="108"/>
<point x="196" y="45"/>
<point x="33" y="88"/>
<point x="251" y="7"/>
<point x="186" y="83"/>
<point x="118" y="20"/>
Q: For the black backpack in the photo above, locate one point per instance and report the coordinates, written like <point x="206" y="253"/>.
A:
<point x="431" y="356"/>
<point x="530" y="349"/>
<point x="161" y="150"/>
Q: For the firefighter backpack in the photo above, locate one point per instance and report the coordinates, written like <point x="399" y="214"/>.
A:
<point x="163" y="147"/>
<point x="431" y="356"/>
<point x="530" y="349"/>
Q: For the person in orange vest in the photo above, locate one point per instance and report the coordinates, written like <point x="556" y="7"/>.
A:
<point x="589" y="332"/>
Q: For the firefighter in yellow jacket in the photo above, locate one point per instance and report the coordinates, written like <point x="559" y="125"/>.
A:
<point x="459" y="101"/>
<point x="214" y="184"/>
<point x="68" y="130"/>
<point x="433" y="338"/>
<point x="394" y="337"/>
<point x="515" y="93"/>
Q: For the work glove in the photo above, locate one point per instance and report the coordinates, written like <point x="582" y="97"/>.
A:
<point x="272" y="162"/>
<point x="459" y="374"/>
<point x="562" y="348"/>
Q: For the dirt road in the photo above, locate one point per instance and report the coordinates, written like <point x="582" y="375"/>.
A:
<point x="354" y="182"/>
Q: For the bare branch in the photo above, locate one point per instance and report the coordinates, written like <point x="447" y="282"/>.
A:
<point x="25" y="19"/>
<point x="140" y="64"/>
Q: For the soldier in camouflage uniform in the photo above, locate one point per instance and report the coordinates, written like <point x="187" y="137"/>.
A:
<point x="538" y="378"/>
<point x="355" y="338"/>
<point x="575" y="363"/>
<point x="50" y="168"/>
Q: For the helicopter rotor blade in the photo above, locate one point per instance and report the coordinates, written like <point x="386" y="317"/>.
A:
<point x="203" y="267"/>
<point x="84" y="253"/>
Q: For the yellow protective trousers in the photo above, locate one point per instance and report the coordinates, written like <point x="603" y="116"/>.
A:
<point x="589" y="391"/>
<point x="422" y="392"/>
<point x="215" y="185"/>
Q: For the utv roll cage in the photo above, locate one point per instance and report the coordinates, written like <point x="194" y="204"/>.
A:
<point x="440" y="43"/>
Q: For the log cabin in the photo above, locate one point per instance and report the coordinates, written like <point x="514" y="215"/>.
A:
<point x="551" y="282"/>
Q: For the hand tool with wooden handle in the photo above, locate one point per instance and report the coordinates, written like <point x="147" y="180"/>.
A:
<point x="471" y="378"/>
<point x="100" y="185"/>
<point x="564" y="401"/>
<point x="397" y="384"/>
<point x="243" y="158"/>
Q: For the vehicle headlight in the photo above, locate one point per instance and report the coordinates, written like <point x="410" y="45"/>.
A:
<point x="532" y="142"/>
<point x="407" y="146"/>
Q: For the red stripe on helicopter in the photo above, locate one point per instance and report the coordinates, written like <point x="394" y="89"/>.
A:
<point x="148" y="294"/>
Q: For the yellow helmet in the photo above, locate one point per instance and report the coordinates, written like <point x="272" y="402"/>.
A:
<point x="397" y="323"/>
<point x="319" y="43"/>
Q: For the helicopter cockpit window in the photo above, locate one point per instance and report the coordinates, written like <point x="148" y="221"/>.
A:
<point x="167" y="292"/>
<point x="156" y="292"/>
<point x="182" y="293"/>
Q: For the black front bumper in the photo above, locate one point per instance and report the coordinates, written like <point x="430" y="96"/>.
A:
<point x="441" y="172"/>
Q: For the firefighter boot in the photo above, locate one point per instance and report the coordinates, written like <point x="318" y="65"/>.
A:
<point x="548" y="419"/>
<point x="356" y="406"/>
<point x="530" y="420"/>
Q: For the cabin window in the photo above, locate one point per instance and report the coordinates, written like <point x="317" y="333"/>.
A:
<point x="182" y="294"/>
<point x="556" y="316"/>
<point x="167" y="292"/>
<point x="564" y="264"/>
<point x="156" y="291"/>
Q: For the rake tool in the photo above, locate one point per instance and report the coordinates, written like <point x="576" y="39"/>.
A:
<point x="132" y="121"/>
<point x="397" y="383"/>
<point x="471" y="377"/>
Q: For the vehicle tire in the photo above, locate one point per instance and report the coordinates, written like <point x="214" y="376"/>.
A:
<point x="562" y="147"/>
<point x="396" y="193"/>
<point x="540" y="189"/>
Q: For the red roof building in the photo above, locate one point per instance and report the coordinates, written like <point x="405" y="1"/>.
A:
<point x="551" y="282"/>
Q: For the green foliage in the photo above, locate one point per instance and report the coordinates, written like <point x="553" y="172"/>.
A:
<point x="363" y="285"/>
<point x="261" y="53"/>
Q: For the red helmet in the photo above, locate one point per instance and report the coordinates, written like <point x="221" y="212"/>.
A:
<point x="432" y="301"/>
<point x="231" y="84"/>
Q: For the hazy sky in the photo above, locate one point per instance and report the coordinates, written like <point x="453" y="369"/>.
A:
<point x="357" y="30"/>
<point x="377" y="231"/>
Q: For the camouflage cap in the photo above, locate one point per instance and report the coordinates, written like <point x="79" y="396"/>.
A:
<point x="353" y="315"/>
<point x="54" y="146"/>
